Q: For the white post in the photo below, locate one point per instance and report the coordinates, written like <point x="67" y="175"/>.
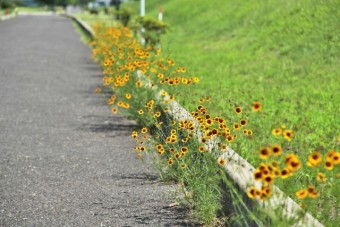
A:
<point x="142" y="14"/>
<point x="142" y="8"/>
<point x="160" y="14"/>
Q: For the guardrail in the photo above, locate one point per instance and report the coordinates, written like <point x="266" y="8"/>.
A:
<point x="236" y="167"/>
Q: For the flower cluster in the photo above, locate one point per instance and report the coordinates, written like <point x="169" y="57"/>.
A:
<point x="285" y="166"/>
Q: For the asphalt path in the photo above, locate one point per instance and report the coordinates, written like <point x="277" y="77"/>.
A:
<point x="65" y="160"/>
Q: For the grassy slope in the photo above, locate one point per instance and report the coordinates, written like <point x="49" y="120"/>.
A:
<point x="285" y="53"/>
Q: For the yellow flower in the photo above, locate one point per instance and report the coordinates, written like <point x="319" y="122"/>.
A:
<point x="170" y="161"/>
<point x="301" y="194"/>
<point x="277" y="131"/>
<point x="334" y="157"/>
<point x="144" y="130"/>
<point x="276" y="150"/>
<point x="274" y="165"/>
<point x="196" y="79"/>
<point x="243" y="122"/>
<point x="134" y="134"/>
<point x="257" y="175"/>
<point x="236" y="126"/>
<point x="164" y="93"/>
<point x="184" y="140"/>
<point x="330" y="154"/>
<point x="141" y="111"/>
<point x="312" y="192"/>
<point x="114" y="110"/>
<point x="184" y="149"/>
<point x="288" y="134"/>
<point x="238" y="110"/>
<point x="268" y="179"/>
<point x="142" y="148"/>
<point x="266" y="191"/>
<point x="230" y="138"/>
<point x="202" y="149"/>
<point x="256" y="106"/>
<point x="98" y="90"/>
<point x="314" y="159"/>
<point x="157" y="114"/>
<point x="285" y="173"/>
<point x="128" y="96"/>
<point x="252" y="192"/>
<point x="161" y="151"/>
<point x="264" y="152"/>
<point x="221" y="161"/>
<point x="294" y="164"/>
<point x="328" y="165"/>
<point x="183" y="166"/>
<point x="138" y="84"/>
<point x="321" y="177"/>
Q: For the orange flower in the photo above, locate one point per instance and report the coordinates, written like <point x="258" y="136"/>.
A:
<point x="328" y="165"/>
<point x="312" y="192"/>
<point x="301" y="194"/>
<point x="256" y="106"/>
<point x="314" y="159"/>
<point x="236" y="126"/>
<point x="243" y="122"/>
<point x="285" y="173"/>
<point x="288" y="134"/>
<point x="276" y="150"/>
<point x="144" y="130"/>
<point x="170" y="161"/>
<point x="264" y="152"/>
<point x="238" y="110"/>
<point x="252" y="192"/>
<point x="221" y="161"/>
<point x="321" y="177"/>
<point x="114" y="110"/>
<point x="257" y="175"/>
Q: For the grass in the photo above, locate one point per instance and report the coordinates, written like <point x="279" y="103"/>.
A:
<point x="101" y="17"/>
<point x="282" y="53"/>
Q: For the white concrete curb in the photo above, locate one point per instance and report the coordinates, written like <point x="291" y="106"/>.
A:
<point x="81" y="23"/>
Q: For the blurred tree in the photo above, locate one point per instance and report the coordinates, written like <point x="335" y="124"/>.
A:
<point x="63" y="2"/>
<point x="116" y="3"/>
<point x="79" y="2"/>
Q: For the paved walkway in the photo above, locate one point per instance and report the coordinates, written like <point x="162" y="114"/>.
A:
<point x="64" y="159"/>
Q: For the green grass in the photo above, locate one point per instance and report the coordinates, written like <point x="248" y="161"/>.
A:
<point x="92" y="19"/>
<point x="284" y="53"/>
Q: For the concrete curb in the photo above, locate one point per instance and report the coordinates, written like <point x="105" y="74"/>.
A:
<point x="237" y="167"/>
<point x="86" y="28"/>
